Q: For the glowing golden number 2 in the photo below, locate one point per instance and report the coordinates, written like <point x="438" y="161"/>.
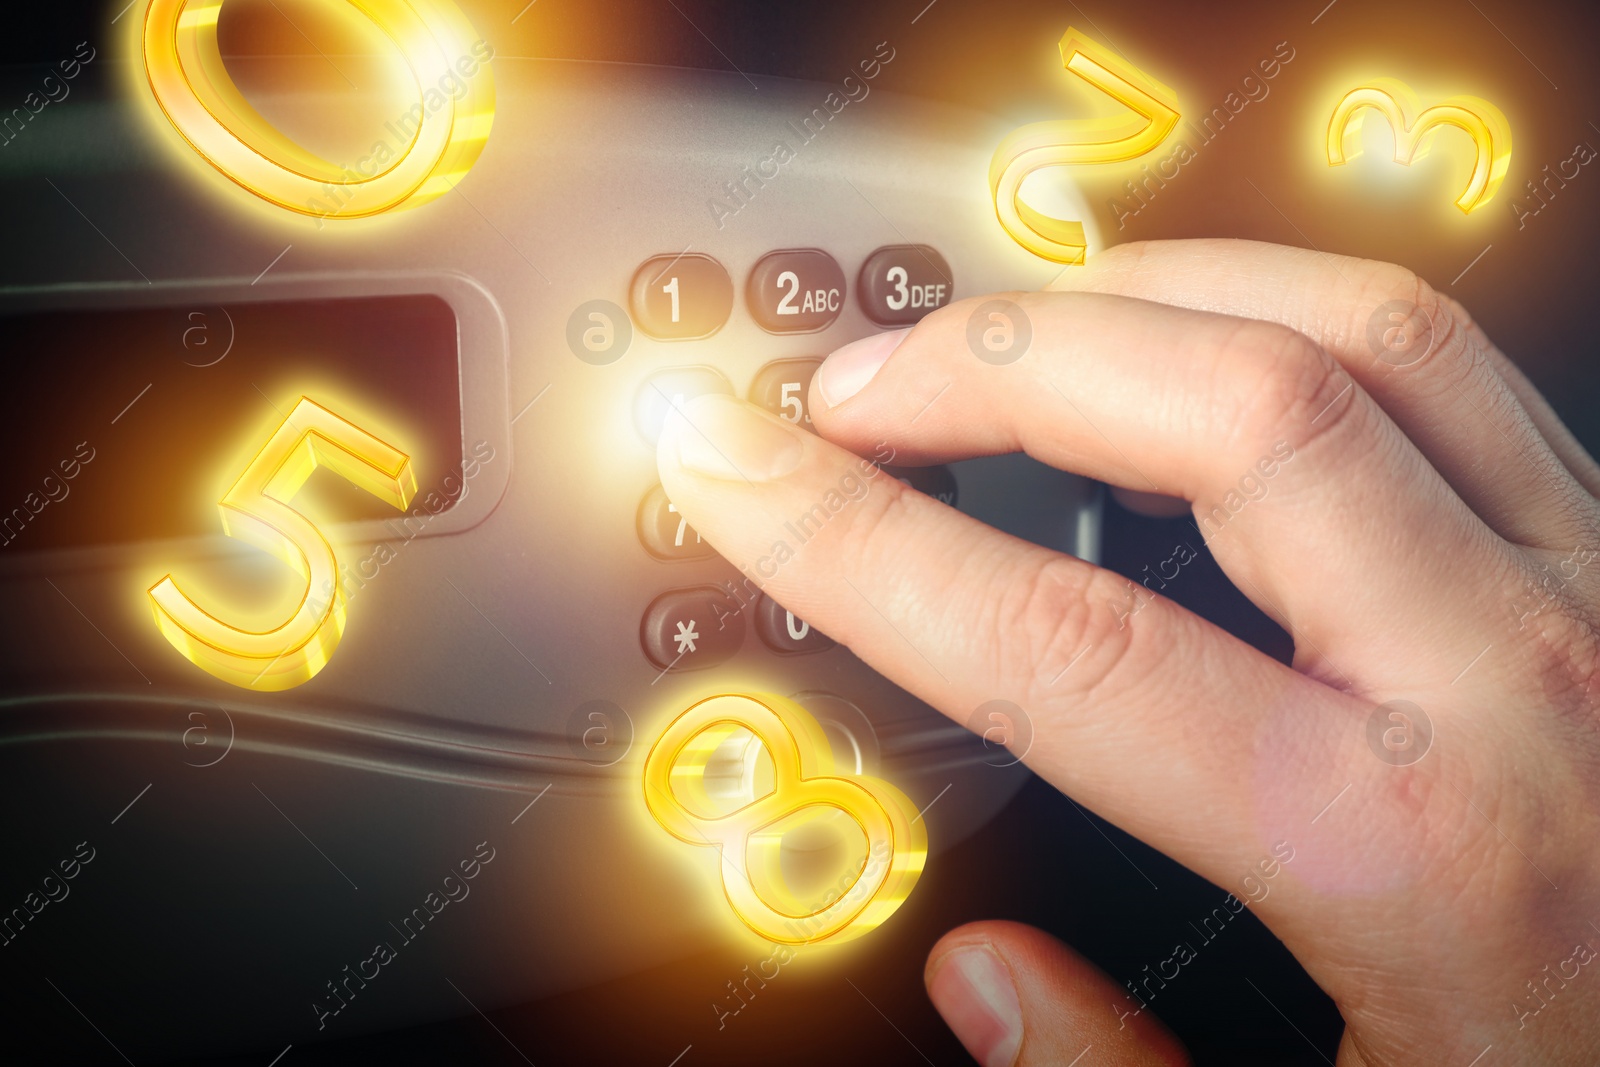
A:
<point x="1414" y="128"/>
<point x="804" y="788"/>
<point x="1064" y="143"/>
<point x="257" y="510"/>
<point x="444" y="131"/>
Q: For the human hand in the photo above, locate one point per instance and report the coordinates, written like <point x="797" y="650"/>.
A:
<point x="1430" y="535"/>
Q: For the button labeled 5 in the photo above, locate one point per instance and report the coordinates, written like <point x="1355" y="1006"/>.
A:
<point x="782" y="388"/>
<point x="257" y="510"/>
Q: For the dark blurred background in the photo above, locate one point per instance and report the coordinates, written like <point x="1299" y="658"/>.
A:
<point x="1045" y="861"/>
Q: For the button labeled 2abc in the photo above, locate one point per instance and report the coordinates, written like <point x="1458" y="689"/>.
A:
<point x="795" y="291"/>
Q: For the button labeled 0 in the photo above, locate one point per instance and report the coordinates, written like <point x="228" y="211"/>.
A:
<point x="900" y="284"/>
<point x="795" y="291"/>
<point x="785" y="632"/>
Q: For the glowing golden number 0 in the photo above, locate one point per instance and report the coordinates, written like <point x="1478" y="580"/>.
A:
<point x="257" y="510"/>
<point x="191" y="84"/>
<point x="1414" y="127"/>
<point x="804" y="788"/>
<point x="1064" y="143"/>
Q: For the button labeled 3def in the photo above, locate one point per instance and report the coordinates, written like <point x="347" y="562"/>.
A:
<point x="681" y="298"/>
<point x="687" y="629"/>
<point x="901" y="283"/>
<point x="795" y="291"/>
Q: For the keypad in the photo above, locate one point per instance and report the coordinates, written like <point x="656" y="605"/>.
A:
<point x="664" y="533"/>
<point x="900" y="284"/>
<point x="690" y="629"/>
<point x="681" y="298"/>
<point x="785" y="633"/>
<point x="668" y="389"/>
<point x="783" y="387"/>
<point x="795" y="291"/>
<point x="690" y="296"/>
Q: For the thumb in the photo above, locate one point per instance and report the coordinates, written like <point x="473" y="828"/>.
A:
<point x="1014" y="995"/>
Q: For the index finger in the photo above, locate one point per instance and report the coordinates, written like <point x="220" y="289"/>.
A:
<point x="1141" y="710"/>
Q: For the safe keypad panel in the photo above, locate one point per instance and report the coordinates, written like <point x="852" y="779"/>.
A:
<point x="689" y="297"/>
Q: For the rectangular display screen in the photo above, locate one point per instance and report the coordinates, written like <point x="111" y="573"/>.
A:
<point x="126" y="425"/>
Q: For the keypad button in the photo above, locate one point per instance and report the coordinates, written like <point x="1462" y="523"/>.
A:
<point x="688" y="629"/>
<point x="664" y="533"/>
<point x="850" y="733"/>
<point x="782" y="388"/>
<point x="901" y="283"/>
<point x="681" y="298"/>
<point x="665" y="390"/>
<point x="938" y="482"/>
<point x="795" y="291"/>
<point x="786" y="633"/>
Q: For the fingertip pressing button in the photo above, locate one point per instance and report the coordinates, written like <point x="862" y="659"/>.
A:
<point x="667" y="390"/>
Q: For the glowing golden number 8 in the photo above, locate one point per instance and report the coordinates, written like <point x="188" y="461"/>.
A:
<point x="451" y="122"/>
<point x="804" y="788"/>
<point x="257" y="510"/>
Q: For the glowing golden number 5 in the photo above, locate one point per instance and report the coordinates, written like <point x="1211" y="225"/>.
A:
<point x="1414" y="128"/>
<point x="443" y="132"/>
<point x="257" y="510"/>
<point x="1063" y="143"/>
<point x="804" y="789"/>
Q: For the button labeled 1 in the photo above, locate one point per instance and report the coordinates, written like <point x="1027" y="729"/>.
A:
<point x="687" y="629"/>
<point x="782" y="388"/>
<point x="785" y="633"/>
<point x="795" y="291"/>
<point x="681" y="298"/>
<point x="665" y="533"/>
<point x="900" y="284"/>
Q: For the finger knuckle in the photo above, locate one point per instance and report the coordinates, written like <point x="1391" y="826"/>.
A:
<point x="1298" y="392"/>
<point x="1454" y="340"/>
<point x="1069" y="628"/>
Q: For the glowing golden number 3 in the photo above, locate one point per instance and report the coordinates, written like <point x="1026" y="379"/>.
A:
<point x="446" y="129"/>
<point x="804" y="788"/>
<point x="1062" y="143"/>
<point x="257" y="510"/>
<point x="1414" y="127"/>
